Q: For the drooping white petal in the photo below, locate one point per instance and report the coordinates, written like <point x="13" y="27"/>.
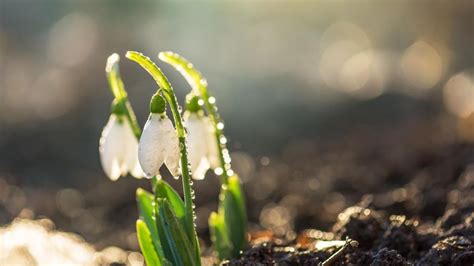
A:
<point x="200" y="171"/>
<point x="153" y="144"/>
<point x="111" y="148"/>
<point x="172" y="160"/>
<point x="131" y="142"/>
<point x="197" y="139"/>
<point x="212" y="152"/>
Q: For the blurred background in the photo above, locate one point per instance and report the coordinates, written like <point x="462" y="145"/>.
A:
<point x="324" y="102"/>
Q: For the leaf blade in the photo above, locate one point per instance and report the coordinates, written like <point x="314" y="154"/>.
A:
<point x="145" y="207"/>
<point x="219" y="236"/>
<point x="177" y="239"/>
<point x="146" y="244"/>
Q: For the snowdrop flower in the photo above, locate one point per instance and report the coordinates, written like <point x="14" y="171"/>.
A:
<point x="197" y="126"/>
<point x="118" y="149"/>
<point x="203" y="153"/>
<point x="213" y="153"/>
<point x="159" y="142"/>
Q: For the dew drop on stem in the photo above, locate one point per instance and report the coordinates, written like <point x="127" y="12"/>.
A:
<point x="223" y="140"/>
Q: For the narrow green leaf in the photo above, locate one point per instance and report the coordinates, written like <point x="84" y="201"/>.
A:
<point x="219" y="236"/>
<point x="179" y="243"/>
<point x="164" y="190"/>
<point x="146" y="245"/>
<point x="233" y="209"/>
<point x="145" y="207"/>
<point x="236" y="189"/>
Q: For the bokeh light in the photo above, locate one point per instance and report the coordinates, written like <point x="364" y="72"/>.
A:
<point x="459" y="95"/>
<point x="421" y="65"/>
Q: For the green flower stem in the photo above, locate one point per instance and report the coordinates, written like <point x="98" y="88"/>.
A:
<point x="168" y="93"/>
<point x="117" y="88"/>
<point x="199" y="84"/>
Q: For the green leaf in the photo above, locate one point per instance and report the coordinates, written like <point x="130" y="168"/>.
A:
<point x="146" y="245"/>
<point x="145" y="208"/>
<point x="219" y="236"/>
<point x="164" y="190"/>
<point x="236" y="189"/>
<point x="179" y="243"/>
<point x="233" y="210"/>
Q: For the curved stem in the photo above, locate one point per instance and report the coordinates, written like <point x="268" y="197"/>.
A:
<point x="168" y="93"/>
<point x="199" y="84"/>
<point x="120" y="94"/>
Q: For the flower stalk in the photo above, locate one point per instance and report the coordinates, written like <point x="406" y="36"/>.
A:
<point x="228" y="224"/>
<point x="121" y="98"/>
<point x="166" y="89"/>
<point x="199" y="85"/>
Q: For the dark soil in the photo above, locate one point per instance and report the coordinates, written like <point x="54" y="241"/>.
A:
<point x="422" y="215"/>
<point x="404" y="192"/>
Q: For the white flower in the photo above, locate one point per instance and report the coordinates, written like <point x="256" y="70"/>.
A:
<point x="118" y="149"/>
<point x="201" y="143"/>
<point x="213" y="153"/>
<point x="158" y="145"/>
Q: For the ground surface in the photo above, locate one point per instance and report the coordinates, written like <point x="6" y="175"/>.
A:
<point x="404" y="192"/>
<point x="421" y="211"/>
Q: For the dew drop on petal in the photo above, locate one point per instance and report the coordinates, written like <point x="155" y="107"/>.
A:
<point x="212" y="100"/>
<point x="218" y="171"/>
<point x="220" y="125"/>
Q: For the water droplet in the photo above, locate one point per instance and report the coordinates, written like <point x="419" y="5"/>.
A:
<point x="204" y="82"/>
<point x="181" y="147"/>
<point x="180" y="109"/>
<point x="201" y="102"/>
<point x="230" y="172"/>
<point x="212" y="100"/>
<point x="218" y="171"/>
<point x="223" y="140"/>
<point x="220" y="125"/>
